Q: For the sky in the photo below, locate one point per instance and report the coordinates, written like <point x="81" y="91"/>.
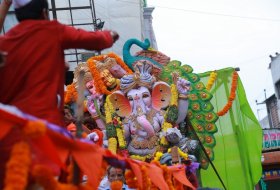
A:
<point x="211" y="35"/>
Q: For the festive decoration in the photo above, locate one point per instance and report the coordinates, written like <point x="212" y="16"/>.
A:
<point x="131" y="179"/>
<point x="17" y="167"/>
<point x="231" y="96"/>
<point x="212" y="79"/>
<point x="158" y="156"/>
<point x="171" y="114"/>
<point x="181" y="153"/>
<point x="34" y="129"/>
<point x="98" y="82"/>
<point x="201" y="113"/>
<point x="121" y="140"/>
<point x="116" y="185"/>
<point x="71" y="94"/>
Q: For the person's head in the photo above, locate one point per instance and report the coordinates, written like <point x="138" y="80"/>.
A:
<point x="31" y="9"/>
<point x="68" y="115"/>
<point x="115" y="174"/>
<point x="72" y="129"/>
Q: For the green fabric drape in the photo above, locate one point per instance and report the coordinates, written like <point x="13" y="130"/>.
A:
<point x="239" y="138"/>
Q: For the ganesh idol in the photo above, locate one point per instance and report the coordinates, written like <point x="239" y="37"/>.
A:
<point x="145" y="110"/>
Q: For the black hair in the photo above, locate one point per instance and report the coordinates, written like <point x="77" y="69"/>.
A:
<point x="110" y="167"/>
<point x="68" y="107"/>
<point x="32" y="10"/>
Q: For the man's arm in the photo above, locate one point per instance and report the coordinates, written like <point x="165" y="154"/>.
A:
<point x="4" y="8"/>
<point x="78" y="38"/>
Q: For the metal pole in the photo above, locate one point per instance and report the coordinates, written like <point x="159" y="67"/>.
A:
<point x="94" y="15"/>
<point x="80" y="114"/>
<point x="53" y="9"/>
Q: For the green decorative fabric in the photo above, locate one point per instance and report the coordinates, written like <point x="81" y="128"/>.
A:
<point x="238" y="140"/>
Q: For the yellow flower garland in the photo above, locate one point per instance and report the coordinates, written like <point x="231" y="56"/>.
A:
<point x="181" y="153"/>
<point x="18" y="166"/>
<point x="213" y="76"/>
<point x="112" y="145"/>
<point x="121" y="140"/>
<point x="108" y="110"/>
<point x="138" y="157"/>
<point x="173" y="101"/>
<point x="112" y="142"/>
<point x="158" y="156"/>
<point x="174" y="95"/>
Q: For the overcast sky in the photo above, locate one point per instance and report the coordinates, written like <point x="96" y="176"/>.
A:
<point x="215" y="34"/>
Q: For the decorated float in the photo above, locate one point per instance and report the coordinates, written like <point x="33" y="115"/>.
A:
<point x="166" y="125"/>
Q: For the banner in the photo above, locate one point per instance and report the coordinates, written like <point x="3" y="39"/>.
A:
<point x="271" y="139"/>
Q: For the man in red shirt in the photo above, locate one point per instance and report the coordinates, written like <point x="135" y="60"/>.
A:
<point x="32" y="77"/>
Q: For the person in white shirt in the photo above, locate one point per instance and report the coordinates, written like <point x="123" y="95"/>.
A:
<point x="113" y="174"/>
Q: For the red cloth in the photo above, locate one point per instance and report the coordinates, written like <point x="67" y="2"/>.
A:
<point x="34" y="72"/>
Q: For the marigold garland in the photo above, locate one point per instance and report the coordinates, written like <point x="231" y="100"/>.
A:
<point x="165" y="126"/>
<point x="130" y="179"/>
<point x="158" y="156"/>
<point x="112" y="145"/>
<point x="121" y="140"/>
<point x="138" y="157"/>
<point x="181" y="153"/>
<point x="231" y="96"/>
<point x="174" y="95"/>
<point x="213" y="77"/>
<point x="112" y="141"/>
<point x="108" y="110"/>
<point x="17" y="167"/>
<point x="98" y="82"/>
<point x="34" y="129"/>
<point x="173" y="102"/>
<point x="71" y="94"/>
<point x="116" y="185"/>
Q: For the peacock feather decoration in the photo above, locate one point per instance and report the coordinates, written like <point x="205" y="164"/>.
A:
<point x="201" y="113"/>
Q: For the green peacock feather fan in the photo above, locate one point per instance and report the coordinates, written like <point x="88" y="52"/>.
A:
<point x="200" y="114"/>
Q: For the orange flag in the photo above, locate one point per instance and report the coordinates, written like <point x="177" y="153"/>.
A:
<point x="178" y="172"/>
<point x="156" y="175"/>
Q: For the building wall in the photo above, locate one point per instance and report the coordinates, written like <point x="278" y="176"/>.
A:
<point x="275" y="72"/>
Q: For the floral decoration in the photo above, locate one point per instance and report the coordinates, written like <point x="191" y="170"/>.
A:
<point x="98" y="82"/>
<point x="17" y="167"/>
<point x="212" y="79"/>
<point x="231" y="96"/>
